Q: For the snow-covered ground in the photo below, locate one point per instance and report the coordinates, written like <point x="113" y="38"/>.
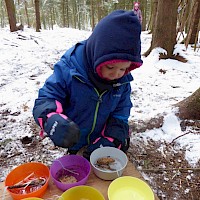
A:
<point x="26" y="59"/>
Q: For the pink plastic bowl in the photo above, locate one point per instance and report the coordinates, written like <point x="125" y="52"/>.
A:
<point x="75" y="163"/>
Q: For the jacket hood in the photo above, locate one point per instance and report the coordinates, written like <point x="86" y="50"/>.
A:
<point x="115" y="37"/>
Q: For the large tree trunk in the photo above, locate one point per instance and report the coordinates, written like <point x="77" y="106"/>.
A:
<point x="164" y="33"/>
<point x="189" y="108"/>
<point x="11" y="15"/>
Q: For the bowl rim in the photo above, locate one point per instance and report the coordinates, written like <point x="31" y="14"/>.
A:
<point x="130" y="178"/>
<point x="72" y="184"/>
<point x="113" y="171"/>
<point x="84" y="187"/>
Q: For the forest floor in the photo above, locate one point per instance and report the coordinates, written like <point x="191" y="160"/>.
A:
<point x="177" y="182"/>
<point x="167" y="171"/>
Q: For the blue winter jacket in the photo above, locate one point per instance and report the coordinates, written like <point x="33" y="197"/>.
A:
<point x="70" y="84"/>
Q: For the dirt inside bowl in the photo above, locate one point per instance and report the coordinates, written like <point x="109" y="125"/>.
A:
<point x="109" y="163"/>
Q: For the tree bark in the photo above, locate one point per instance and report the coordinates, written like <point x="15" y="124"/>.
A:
<point x="26" y="13"/>
<point x="92" y="14"/>
<point x="37" y="13"/>
<point x="189" y="108"/>
<point x="10" y="6"/>
<point x="193" y="31"/>
<point x="2" y="11"/>
<point x="164" y="33"/>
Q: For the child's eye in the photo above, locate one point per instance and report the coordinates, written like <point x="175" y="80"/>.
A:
<point x="123" y="70"/>
<point x="109" y="67"/>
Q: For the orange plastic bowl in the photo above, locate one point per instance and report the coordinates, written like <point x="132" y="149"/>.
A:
<point x="36" y="170"/>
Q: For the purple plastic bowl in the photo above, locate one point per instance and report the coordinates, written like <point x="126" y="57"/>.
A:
<point x="76" y="163"/>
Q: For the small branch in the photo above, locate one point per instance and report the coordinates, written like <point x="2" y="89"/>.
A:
<point x="179" y="137"/>
<point x="35" y="182"/>
<point x="16" y="154"/>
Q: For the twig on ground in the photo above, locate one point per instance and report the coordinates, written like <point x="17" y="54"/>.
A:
<point x="179" y="137"/>
<point x="16" y="154"/>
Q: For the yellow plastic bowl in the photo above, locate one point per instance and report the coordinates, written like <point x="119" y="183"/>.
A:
<point x="129" y="188"/>
<point x="82" y="193"/>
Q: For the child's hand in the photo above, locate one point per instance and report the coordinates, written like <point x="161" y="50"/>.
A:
<point x="62" y="131"/>
<point x="105" y="142"/>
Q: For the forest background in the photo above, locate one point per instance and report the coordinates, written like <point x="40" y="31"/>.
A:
<point x="159" y="17"/>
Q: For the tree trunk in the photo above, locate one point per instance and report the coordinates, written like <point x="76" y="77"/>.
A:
<point x="92" y="14"/>
<point x="19" y="12"/>
<point x="153" y="22"/>
<point x="11" y="15"/>
<point x="67" y="7"/>
<point x="2" y="11"/>
<point x="189" y="108"/>
<point x="143" y="7"/>
<point x="26" y="13"/>
<point x="164" y="33"/>
<point x="74" y="14"/>
<point x="193" y="31"/>
<point x="182" y="18"/>
<point x="63" y="13"/>
<point x="37" y="14"/>
<point x="99" y="10"/>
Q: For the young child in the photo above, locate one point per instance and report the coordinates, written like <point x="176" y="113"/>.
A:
<point x="86" y="101"/>
<point x="137" y="11"/>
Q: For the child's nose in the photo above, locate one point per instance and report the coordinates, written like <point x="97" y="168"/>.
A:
<point x="118" y="74"/>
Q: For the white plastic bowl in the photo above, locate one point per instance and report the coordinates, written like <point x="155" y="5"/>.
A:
<point x="121" y="161"/>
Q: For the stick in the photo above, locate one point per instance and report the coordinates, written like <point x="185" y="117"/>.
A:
<point x="179" y="137"/>
<point x="31" y="183"/>
<point x="26" y="178"/>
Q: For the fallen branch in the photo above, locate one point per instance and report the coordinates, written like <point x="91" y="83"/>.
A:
<point x="179" y="137"/>
<point x="16" y="154"/>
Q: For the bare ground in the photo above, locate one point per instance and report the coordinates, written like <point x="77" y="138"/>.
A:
<point x="167" y="171"/>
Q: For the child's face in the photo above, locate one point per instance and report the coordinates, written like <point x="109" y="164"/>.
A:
<point x="115" y="70"/>
<point x="136" y="6"/>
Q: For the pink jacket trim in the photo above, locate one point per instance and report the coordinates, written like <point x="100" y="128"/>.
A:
<point x="54" y="113"/>
<point x="42" y="128"/>
<point x="59" y="107"/>
<point x="59" y="110"/>
<point x="108" y="138"/>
